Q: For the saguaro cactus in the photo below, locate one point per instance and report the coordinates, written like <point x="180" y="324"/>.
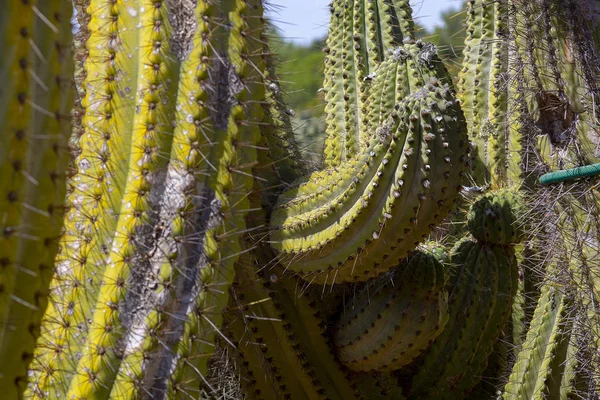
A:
<point x="35" y="105"/>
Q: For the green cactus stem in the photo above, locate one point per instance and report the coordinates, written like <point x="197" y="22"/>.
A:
<point x="394" y="318"/>
<point x="172" y="103"/>
<point x="360" y="35"/>
<point x="282" y="340"/>
<point x="497" y="218"/>
<point x="482" y="285"/>
<point x="353" y="223"/>
<point x="542" y="362"/>
<point x="483" y="88"/>
<point x="35" y="104"/>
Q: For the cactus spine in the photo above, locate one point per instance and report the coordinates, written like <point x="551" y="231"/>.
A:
<point x="387" y="327"/>
<point x="172" y="107"/>
<point x="35" y="105"/>
<point x="192" y="227"/>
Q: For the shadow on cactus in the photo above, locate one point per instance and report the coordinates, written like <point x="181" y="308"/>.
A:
<point x="200" y="256"/>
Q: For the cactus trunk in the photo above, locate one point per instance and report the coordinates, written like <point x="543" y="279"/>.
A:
<point x="35" y="105"/>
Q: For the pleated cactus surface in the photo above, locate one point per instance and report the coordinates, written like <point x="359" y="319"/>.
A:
<point x="156" y="211"/>
<point x="171" y="241"/>
<point x="35" y="112"/>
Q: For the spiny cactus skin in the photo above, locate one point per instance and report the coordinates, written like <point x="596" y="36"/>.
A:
<point x="386" y="199"/>
<point x="394" y="318"/>
<point x="497" y="218"/>
<point x="282" y="341"/>
<point x="482" y="84"/>
<point x="176" y="183"/>
<point x="35" y="104"/>
<point x="172" y="111"/>
<point x="544" y="360"/>
<point x="482" y="286"/>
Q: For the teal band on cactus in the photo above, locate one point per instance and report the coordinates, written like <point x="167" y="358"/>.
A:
<point x="570" y="174"/>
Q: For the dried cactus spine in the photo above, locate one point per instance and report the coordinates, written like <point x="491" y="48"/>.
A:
<point x="387" y="327"/>
<point x="35" y="104"/>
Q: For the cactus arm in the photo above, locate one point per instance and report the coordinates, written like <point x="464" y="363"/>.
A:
<point x="507" y="289"/>
<point x="530" y="373"/>
<point x="417" y="184"/>
<point x="94" y="200"/>
<point x="464" y="259"/>
<point x="234" y="185"/>
<point x="173" y="255"/>
<point x="387" y="329"/>
<point x="483" y="83"/>
<point x="151" y="135"/>
<point x="34" y="109"/>
<point x="498" y="96"/>
<point x="293" y="350"/>
<point x="309" y="330"/>
<point x="482" y="282"/>
<point x="360" y="34"/>
<point x="344" y="69"/>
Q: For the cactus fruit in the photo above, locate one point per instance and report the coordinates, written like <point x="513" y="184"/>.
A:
<point x="35" y="104"/>
<point x="482" y="285"/>
<point x="497" y="218"/>
<point x="395" y="317"/>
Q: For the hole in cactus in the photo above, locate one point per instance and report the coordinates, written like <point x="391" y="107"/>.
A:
<point x="556" y="119"/>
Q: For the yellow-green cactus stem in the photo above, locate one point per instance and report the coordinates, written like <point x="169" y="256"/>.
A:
<point x="360" y="34"/>
<point x="542" y="361"/>
<point x="281" y="340"/>
<point x="172" y="113"/>
<point x="497" y="217"/>
<point x="395" y="318"/>
<point x="35" y="105"/>
<point x="483" y="87"/>
<point x="482" y="284"/>
<point x="235" y="158"/>
<point x="355" y="222"/>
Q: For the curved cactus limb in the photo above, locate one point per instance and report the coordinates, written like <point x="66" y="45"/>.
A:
<point x="482" y="286"/>
<point x="326" y="226"/>
<point x="395" y="318"/>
